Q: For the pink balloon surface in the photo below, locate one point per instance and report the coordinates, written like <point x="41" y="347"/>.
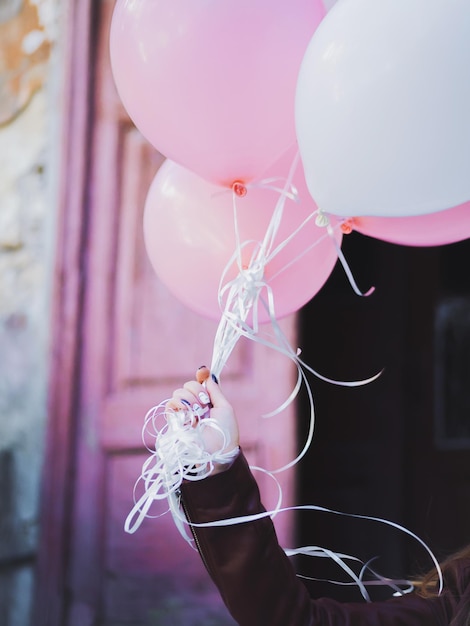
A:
<point x="432" y="229"/>
<point x="190" y="238"/>
<point x="211" y="83"/>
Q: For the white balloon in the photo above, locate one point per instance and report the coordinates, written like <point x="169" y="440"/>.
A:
<point x="328" y="4"/>
<point x="383" y="107"/>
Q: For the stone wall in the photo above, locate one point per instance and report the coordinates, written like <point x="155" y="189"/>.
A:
<point x="28" y="153"/>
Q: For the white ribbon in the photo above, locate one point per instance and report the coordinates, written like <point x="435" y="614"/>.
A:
<point x="178" y="452"/>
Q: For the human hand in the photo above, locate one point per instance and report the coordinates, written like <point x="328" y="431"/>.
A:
<point x="203" y="398"/>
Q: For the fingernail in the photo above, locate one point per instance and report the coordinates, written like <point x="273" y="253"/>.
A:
<point x="203" y="397"/>
<point x="214" y="378"/>
<point x="185" y="402"/>
<point x="202" y="367"/>
<point x="199" y="411"/>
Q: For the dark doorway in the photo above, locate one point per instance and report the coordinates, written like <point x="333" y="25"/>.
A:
<point x="397" y="448"/>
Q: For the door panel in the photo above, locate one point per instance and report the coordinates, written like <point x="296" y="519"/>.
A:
<point x="150" y="577"/>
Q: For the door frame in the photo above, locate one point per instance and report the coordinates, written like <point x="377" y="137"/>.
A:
<point x="77" y="28"/>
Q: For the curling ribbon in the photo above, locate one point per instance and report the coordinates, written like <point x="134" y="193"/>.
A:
<point x="178" y="453"/>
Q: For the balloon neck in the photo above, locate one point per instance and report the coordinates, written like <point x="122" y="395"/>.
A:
<point x="322" y="220"/>
<point x="347" y="227"/>
<point x="239" y="188"/>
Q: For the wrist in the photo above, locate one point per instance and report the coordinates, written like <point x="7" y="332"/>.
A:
<point x="225" y="461"/>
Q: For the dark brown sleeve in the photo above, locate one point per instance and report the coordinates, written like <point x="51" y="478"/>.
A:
<point x="256" y="579"/>
<point x="254" y="576"/>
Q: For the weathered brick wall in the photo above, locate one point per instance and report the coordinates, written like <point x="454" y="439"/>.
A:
<point x="28" y="147"/>
<point x="25" y="268"/>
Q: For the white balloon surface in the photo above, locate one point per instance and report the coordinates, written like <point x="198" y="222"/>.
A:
<point x="383" y="107"/>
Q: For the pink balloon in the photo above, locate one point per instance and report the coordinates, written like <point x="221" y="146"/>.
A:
<point x="211" y="84"/>
<point x="190" y="238"/>
<point x="432" y="229"/>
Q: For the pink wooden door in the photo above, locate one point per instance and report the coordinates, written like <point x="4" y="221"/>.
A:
<point x="121" y="344"/>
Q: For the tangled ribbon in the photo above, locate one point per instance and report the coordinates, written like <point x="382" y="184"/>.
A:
<point x="178" y="452"/>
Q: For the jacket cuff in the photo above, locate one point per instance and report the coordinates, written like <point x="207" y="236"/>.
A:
<point x="233" y="492"/>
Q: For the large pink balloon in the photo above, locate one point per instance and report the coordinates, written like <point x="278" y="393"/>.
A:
<point x="211" y="83"/>
<point x="190" y="238"/>
<point x="433" y="229"/>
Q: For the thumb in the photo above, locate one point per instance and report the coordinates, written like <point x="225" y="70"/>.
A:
<point x="217" y="397"/>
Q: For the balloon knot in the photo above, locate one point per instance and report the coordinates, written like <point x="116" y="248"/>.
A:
<point x="239" y="189"/>
<point x="347" y="227"/>
<point x="322" y="220"/>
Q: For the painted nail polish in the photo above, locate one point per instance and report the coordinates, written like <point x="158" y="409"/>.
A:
<point x="203" y="397"/>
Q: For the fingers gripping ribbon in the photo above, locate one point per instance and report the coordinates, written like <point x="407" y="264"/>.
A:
<point x="175" y="438"/>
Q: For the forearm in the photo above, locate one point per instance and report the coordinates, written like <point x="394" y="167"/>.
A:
<point x="253" y="574"/>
